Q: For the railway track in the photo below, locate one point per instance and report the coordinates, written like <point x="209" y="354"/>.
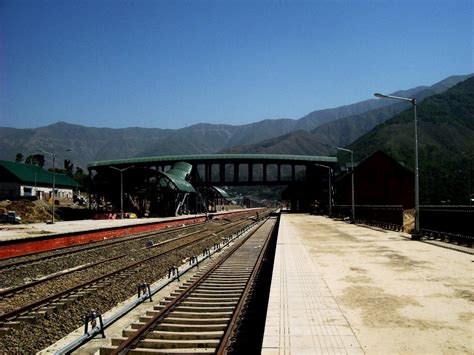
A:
<point x="32" y="269"/>
<point x="43" y="256"/>
<point x="41" y="322"/>
<point x="11" y="292"/>
<point x="42" y="306"/>
<point x="201" y="315"/>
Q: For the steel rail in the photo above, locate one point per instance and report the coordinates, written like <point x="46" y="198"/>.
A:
<point x="77" y="343"/>
<point x="10" y="291"/>
<point x="13" y="290"/>
<point x="5" y="317"/>
<point x="238" y="309"/>
<point x="81" y="247"/>
<point x="142" y="332"/>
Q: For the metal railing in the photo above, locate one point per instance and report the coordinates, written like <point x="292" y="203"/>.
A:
<point x="385" y="216"/>
<point x="450" y="223"/>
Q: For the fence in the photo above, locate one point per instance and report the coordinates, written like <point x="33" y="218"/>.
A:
<point x="450" y="223"/>
<point x="390" y="217"/>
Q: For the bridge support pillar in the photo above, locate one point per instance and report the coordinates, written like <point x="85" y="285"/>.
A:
<point x="236" y="172"/>
<point x="222" y="173"/>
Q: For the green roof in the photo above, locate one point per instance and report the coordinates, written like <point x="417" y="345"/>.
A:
<point x="175" y="178"/>
<point x="34" y="174"/>
<point x="222" y="192"/>
<point x="181" y="170"/>
<point x="216" y="157"/>
<point x="179" y="184"/>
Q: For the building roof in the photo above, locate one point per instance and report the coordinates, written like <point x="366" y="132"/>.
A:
<point x="215" y="157"/>
<point x="181" y="170"/>
<point x="32" y="174"/>
<point x="176" y="183"/>
<point x="367" y="159"/>
<point x="222" y="192"/>
<point x="175" y="178"/>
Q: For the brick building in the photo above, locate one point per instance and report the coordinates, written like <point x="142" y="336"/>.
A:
<point x="378" y="180"/>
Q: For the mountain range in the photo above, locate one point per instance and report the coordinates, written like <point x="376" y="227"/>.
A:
<point x="337" y="126"/>
<point x="445" y="141"/>
<point x="344" y="130"/>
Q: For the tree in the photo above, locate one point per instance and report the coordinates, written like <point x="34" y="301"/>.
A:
<point x="19" y="158"/>
<point x="38" y="159"/>
<point x="82" y="178"/>
<point x="68" y="167"/>
<point x="35" y="159"/>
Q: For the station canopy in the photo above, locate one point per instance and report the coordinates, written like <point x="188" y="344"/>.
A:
<point x="175" y="178"/>
<point x="221" y="192"/>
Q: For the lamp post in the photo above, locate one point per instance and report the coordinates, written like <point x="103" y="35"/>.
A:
<point x="54" y="182"/>
<point x="352" y="178"/>
<point x="121" y="186"/>
<point x="329" y="186"/>
<point x="352" y="174"/>
<point x="416" y="234"/>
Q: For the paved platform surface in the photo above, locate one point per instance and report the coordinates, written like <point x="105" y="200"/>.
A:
<point x="339" y="288"/>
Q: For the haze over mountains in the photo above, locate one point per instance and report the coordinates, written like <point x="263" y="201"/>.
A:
<point x="338" y="126"/>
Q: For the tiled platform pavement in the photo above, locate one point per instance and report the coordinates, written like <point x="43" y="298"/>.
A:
<point x="303" y="316"/>
<point x="339" y="288"/>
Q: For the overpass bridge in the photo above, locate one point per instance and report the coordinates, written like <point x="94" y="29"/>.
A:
<point x="230" y="169"/>
<point x="302" y="174"/>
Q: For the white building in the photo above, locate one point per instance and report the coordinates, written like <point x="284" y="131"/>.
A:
<point x="24" y="180"/>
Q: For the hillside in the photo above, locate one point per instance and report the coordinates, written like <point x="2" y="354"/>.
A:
<point x="446" y="143"/>
<point x="85" y="143"/>
<point x="342" y="131"/>
<point x="88" y="144"/>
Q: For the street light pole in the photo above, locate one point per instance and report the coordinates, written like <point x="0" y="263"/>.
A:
<point x="54" y="182"/>
<point x="352" y="178"/>
<point x="352" y="174"/>
<point x="329" y="186"/>
<point x="121" y="186"/>
<point x="416" y="234"/>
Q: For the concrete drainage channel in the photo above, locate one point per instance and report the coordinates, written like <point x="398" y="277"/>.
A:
<point x="98" y="325"/>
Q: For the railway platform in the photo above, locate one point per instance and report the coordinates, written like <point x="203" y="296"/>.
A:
<point x="339" y="288"/>
<point x="16" y="240"/>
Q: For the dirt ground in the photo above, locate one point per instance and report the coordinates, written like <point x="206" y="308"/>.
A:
<point x="40" y="212"/>
<point x="29" y="211"/>
<point x="399" y="296"/>
<point x="409" y="221"/>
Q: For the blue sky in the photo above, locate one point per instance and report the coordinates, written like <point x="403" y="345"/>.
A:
<point x="171" y="64"/>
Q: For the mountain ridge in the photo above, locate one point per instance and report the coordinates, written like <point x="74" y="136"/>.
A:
<point x="101" y="143"/>
<point x="342" y="131"/>
<point x="445" y="141"/>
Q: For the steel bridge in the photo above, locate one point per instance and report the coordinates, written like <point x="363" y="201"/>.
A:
<point x="168" y="182"/>
<point x="231" y="169"/>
